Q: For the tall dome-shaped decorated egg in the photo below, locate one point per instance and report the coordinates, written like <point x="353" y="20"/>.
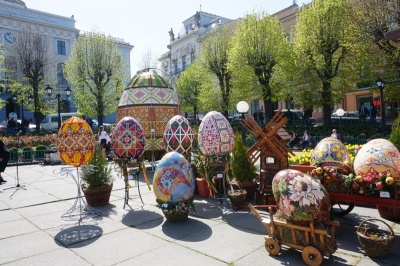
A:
<point x="178" y="135"/>
<point x="378" y="156"/>
<point x="332" y="153"/>
<point x="300" y="197"/>
<point x="215" y="135"/>
<point x="128" y="140"/>
<point x="173" y="179"/>
<point x="75" y="142"/>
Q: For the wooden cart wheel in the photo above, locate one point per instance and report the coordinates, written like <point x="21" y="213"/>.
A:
<point x="312" y="256"/>
<point x="272" y="246"/>
<point x="342" y="208"/>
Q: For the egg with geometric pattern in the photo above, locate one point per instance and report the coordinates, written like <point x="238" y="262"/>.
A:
<point x="127" y="139"/>
<point x="332" y="153"/>
<point x="178" y="135"/>
<point x="376" y="157"/>
<point x="75" y="142"/>
<point x="215" y="136"/>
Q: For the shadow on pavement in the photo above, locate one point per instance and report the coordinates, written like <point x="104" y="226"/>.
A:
<point x="78" y="234"/>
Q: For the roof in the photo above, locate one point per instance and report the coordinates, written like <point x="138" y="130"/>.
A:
<point x="147" y="79"/>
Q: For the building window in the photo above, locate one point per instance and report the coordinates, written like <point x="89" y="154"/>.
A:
<point x="61" y="48"/>
<point x="183" y="62"/>
<point x="60" y="74"/>
<point x="192" y="57"/>
<point x="175" y="62"/>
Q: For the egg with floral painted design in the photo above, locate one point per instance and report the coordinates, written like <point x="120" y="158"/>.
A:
<point x="300" y="198"/>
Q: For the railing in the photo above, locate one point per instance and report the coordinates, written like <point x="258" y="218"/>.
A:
<point x="26" y="156"/>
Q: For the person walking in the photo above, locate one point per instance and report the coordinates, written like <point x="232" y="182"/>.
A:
<point x="12" y="126"/>
<point x="103" y="139"/>
<point x="255" y="116"/>
<point x="4" y="156"/>
<point x="363" y="113"/>
<point x="5" y="124"/>
<point x="334" y="134"/>
<point x="374" y="112"/>
<point x="306" y="139"/>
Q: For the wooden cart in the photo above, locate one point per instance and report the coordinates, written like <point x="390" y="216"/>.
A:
<point x="315" y="242"/>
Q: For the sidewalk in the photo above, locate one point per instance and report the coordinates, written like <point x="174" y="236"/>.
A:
<point x="33" y="233"/>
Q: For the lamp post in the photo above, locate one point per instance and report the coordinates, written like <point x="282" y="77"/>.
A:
<point x="67" y="92"/>
<point x="30" y="98"/>
<point x="381" y="84"/>
<point x="340" y="113"/>
<point x="242" y="108"/>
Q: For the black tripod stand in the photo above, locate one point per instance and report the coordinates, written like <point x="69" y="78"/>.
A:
<point x="17" y="186"/>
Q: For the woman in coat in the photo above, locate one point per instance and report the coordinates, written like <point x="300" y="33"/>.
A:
<point x="4" y="155"/>
<point x="103" y="139"/>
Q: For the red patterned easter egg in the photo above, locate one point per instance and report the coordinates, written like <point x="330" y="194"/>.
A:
<point x="215" y="136"/>
<point x="128" y="140"/>
<point x="376" y="157"/>
<point x="75" y="142"/>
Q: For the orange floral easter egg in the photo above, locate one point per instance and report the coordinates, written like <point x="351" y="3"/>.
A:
<point x="75" y="142"/>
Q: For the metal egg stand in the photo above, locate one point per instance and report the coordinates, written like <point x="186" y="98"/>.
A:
<point x="80" y="210"/>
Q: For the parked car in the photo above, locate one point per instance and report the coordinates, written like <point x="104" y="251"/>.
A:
<point x="351" y="118"/>
<point x="295" y="117"/>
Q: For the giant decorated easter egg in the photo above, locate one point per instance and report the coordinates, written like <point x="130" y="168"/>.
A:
<point x="173" y="179"/>
<point x="300" y="197"/>
<point x="178" y="135"/>
<point x="215" y="135"/>
<point x="332" y="153"/>
<point x="128" y="139"/>
<point x="75" y="142"/>
<point x="377" y="156"/>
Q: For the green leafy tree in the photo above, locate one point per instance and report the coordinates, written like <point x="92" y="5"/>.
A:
<point x="96" y="71"/>
<point x="189" y="87"/>
<point x="213" y="58"/>
<point x="324" y="59"/>
<point x="257" y="47"/>
<point x="395" y="134"/>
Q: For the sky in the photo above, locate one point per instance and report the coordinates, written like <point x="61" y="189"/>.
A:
<point x="145" y="24"/>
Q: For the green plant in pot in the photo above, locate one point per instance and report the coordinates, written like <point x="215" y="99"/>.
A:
<point x="243" y="170"/>
<point x="97" y="180"/>
<point x="201" y="170"/>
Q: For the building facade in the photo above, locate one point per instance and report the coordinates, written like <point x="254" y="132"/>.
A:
<point x="61" y="34"/>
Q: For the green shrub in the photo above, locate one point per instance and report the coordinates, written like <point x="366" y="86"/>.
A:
<point x="100" y="175"/>
<point x="242" y="168"/>
<point x="395" y="135"/>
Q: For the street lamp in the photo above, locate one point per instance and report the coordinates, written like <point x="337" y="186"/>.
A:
<point x="340" y="113"/>
<point x="242" y="108"/>
<point x="67" y="92"/>
<point x="30" y="98"/>
<point x="381" y="84"/>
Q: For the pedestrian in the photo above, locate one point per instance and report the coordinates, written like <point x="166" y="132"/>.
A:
<point x="374" y="112"/>
<point x="90" y="122"/>
<point x="255" y="116"/>
<point x="5" y="124"/>
<point x="261" y="116"/>
<point x="306" y="139"/>
<point x="4" y="156"/>
<point x="294" y="139"/>
<point x="363" y="113"/>
<point x="103" y="139"/>
<point x="25" y="125"/>
<point x="12" y="126"/>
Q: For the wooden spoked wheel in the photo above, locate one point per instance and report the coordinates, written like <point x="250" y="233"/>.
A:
<point x="311" y="256"/>
<point x="272" y="246"/>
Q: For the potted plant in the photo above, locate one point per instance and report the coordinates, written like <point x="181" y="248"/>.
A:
<point x="199" y="168"/>
<point x="97" y="180"/>
<point x="243" y="170"/>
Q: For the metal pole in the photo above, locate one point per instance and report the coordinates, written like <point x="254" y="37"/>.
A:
<point x="243" y="133"/>
<point x="59" y="111"/>
<point x="382" y="110"/>
<point x="22" y="113"/>
<point x="340" y="128"/>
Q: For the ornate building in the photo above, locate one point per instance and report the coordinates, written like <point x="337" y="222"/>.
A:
<point x="61" y="34"/>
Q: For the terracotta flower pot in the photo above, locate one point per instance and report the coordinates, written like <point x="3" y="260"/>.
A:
<point x="202" y="186"/>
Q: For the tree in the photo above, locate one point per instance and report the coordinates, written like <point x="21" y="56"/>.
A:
<point x="323" y="38"/>
<point x="149" y="60"/>
<point x="214" y="58"/>
<point x="258" y="45"/>
<point x="29" y="60"/>
<point x="95" y="69"/>
<point x="189" y="85"/>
